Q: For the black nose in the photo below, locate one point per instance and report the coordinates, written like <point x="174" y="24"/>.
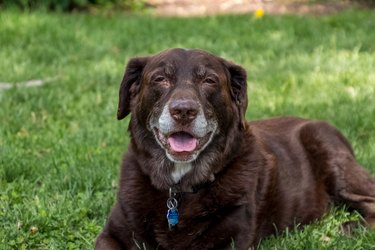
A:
<point x="184" y="110"/>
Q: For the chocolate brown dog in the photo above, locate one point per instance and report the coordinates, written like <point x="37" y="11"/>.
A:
<point x="198" y="176"/>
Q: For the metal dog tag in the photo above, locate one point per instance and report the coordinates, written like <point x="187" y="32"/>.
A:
<point x="172" y="214"/>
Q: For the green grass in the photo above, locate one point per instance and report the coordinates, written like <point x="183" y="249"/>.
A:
<point x="60" y="144"/>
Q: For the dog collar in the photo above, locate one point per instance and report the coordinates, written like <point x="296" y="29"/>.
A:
<point x="193" y="190"/>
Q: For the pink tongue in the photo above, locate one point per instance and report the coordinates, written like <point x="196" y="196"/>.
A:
<point x="182" y="142"/>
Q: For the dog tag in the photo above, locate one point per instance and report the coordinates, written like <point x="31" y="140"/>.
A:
<point x="172" y="216"/>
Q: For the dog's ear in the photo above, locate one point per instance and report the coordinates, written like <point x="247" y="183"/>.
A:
<point x="130" y="85"/>
<point x="238" y="87"/>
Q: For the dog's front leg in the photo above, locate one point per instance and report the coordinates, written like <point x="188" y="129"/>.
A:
<point x="114" y="235"/>
<point x="106" y="242"/>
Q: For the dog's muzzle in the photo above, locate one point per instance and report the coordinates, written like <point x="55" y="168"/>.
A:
<point x="183" y="130"/>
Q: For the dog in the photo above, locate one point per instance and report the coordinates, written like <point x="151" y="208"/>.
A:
<point x="197" y="175"/>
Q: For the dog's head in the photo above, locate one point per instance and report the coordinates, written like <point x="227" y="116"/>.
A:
<point x="184" y="99"/>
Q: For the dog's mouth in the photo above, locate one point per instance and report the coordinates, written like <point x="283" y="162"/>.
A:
<point x="182" y="146"/>
<point x="182" y="142"/>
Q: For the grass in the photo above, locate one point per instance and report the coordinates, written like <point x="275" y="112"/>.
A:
<point x="60" y="144"/>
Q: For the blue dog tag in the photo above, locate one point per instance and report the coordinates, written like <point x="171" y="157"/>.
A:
<point x="172" y="216"/>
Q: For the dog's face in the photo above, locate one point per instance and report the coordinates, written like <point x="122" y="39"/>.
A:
<point x="180" y="124"/>
<point x="184" y="99"/>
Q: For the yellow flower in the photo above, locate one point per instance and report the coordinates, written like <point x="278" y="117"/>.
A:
<point x="259" y="13"/>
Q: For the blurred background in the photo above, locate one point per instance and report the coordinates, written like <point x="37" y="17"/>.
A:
<point x="187" y="7"/>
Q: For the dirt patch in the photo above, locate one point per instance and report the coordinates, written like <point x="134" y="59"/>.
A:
<point x="213" y="7"/>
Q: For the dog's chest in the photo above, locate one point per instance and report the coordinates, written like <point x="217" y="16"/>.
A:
<point x="199" y="216"/>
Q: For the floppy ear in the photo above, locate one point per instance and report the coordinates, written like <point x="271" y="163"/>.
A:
<point x="238" y="87"/>
<point x="130" y="85"/>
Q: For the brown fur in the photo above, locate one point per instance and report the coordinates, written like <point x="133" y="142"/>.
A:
<point x="251" y="180"/>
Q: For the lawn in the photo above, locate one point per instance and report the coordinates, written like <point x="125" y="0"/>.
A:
<point x="61" y="145"/>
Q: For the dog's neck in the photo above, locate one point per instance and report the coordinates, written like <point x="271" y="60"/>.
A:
<point x="180" y="170"/>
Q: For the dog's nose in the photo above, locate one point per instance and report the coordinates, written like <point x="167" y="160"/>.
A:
<point x="183" y="111"/>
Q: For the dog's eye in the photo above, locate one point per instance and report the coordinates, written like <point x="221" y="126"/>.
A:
<point x="209" y="81"/>
<point x="161" y="81"/>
